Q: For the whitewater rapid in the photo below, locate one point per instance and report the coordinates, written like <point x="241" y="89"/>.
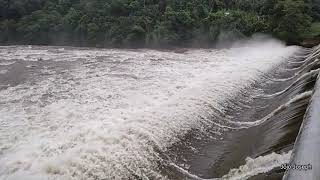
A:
<point x="68" y="113"/>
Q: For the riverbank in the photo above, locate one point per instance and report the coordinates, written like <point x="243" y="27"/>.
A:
<point x="310" y="42"/>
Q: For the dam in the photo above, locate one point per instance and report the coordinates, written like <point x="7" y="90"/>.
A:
<point x="306" y="147"/>
<point x="70" y="113"/>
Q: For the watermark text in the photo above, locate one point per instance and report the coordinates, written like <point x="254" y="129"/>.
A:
<point x="298" y="167"/>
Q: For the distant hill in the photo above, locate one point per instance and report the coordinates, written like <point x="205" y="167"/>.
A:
<point x="154" y="23"/>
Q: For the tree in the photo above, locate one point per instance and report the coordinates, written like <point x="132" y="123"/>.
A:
<point x="7" y="31"/>
<point x="235" y="21"/>
<point x="291" y="21"/>
<point x="40" y="27"/>
<point x="315" y="10"/>
<point x="138" y="23"/>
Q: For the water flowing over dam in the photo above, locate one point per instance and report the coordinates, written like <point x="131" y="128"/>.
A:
<point x="90" y="114"/>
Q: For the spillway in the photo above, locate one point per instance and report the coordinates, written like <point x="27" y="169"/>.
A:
<point x="305" y="159"/>
<point x="85" y="113"/>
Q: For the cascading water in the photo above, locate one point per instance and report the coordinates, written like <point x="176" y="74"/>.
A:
<point x="77" y="113"/>
<point x="276" y="111"/>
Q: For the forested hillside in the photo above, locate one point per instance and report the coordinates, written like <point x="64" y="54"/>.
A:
<point x="153" y="23"/>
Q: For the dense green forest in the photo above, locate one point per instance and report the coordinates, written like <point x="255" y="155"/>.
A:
<point x="154" y="23"/>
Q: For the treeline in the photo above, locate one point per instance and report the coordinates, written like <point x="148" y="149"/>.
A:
<point x="152" y="23"/>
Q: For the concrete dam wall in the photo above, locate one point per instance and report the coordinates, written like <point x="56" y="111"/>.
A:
<point x="305" y="159"/>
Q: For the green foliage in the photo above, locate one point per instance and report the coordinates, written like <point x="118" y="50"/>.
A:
<point x="39" y="27"/>
<point x="314" y="30"/>
<point x="315" y="10"/>
<point x="7" y="31"/>
<point x="236" y="21"/>
<point x="138" y="23"/>
<point x="291" y="20"/>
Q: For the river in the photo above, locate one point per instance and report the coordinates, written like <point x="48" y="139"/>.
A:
<point x="72" y="113"/>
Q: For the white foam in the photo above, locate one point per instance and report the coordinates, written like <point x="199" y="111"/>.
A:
<point x="255" y="166"/>
<point x="298" y="97"/>
<point x="252" y="167"/>
<point x="3" y="71"/>
<point x="6" y="63"/>
<point x="312" y="74"/>
<point x="103" y="118"/>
